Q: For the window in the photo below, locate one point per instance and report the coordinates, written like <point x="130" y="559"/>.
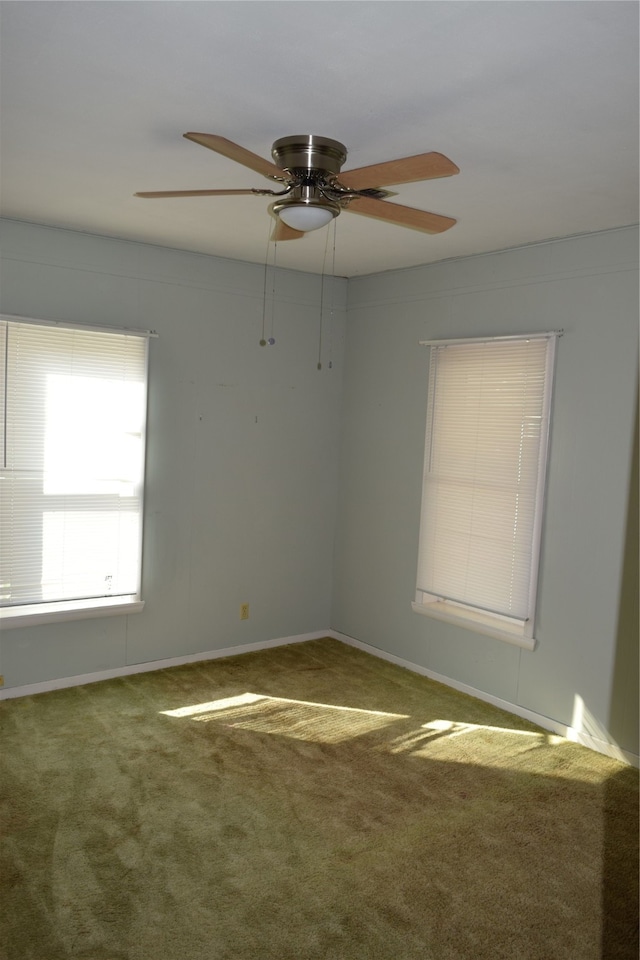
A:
<point x="73" y="407"/>
<point x="483" y="483"/>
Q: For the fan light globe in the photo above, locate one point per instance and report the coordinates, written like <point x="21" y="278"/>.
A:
<point x="303" y="217"/>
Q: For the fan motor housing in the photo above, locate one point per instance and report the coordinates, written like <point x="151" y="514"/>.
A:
<point x="305" y="152"/>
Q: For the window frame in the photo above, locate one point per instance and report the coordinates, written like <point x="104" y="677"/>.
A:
<point x="62" y="610"/>
<point x="514" y="630"/>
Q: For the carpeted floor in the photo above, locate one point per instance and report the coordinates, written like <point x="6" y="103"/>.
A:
<point x="308" y="802"/>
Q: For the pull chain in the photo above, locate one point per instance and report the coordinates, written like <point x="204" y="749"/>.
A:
<point x="271" y="340"/>
<point x="324" y="261"/>
<point x="333" y="288"/>
<point x="263" y="342"/>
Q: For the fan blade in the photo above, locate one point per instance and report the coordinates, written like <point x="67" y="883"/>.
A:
<point x="154" y="194"/>
<point x="235" y="152"/>
<point x="424" y="166"/>
<point x="282" y="231"/>
<point x="403" y="216"/>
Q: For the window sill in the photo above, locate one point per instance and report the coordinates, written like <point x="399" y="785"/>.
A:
<point x="39" y="613"/>
<point x="477" y="622"/>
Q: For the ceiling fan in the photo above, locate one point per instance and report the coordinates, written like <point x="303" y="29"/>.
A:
<point x="314" y="190"/>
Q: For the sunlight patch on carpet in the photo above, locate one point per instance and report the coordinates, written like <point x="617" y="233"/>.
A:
<point x="487" y="746"/>
<point x="445" y="740"/>
<point x="300" y="719"/>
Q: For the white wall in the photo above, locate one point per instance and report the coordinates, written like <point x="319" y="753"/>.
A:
<point x="587" y="286"/>
<point x="242" y="445"/>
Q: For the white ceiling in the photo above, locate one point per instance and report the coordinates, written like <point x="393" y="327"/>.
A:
<point x="536" y="102"/>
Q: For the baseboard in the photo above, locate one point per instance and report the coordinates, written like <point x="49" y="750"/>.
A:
<point x="61" y="683"/>
<point x="547" y="723"/>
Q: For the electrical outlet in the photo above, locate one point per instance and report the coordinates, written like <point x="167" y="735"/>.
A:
<point x="244" y="611"/>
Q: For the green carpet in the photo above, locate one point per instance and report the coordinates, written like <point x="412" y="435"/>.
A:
<point x="307" y="802"/>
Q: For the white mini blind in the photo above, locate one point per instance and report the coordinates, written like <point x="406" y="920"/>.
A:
<point x="484" y="473"/>
<point x="71" y="481"/>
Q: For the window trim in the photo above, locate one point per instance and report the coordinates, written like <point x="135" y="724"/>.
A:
<point x="61" y="611"/>
<point x="473" y="620"/>
<point x="72" y="325"/>
<point x="510" y="630"/>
